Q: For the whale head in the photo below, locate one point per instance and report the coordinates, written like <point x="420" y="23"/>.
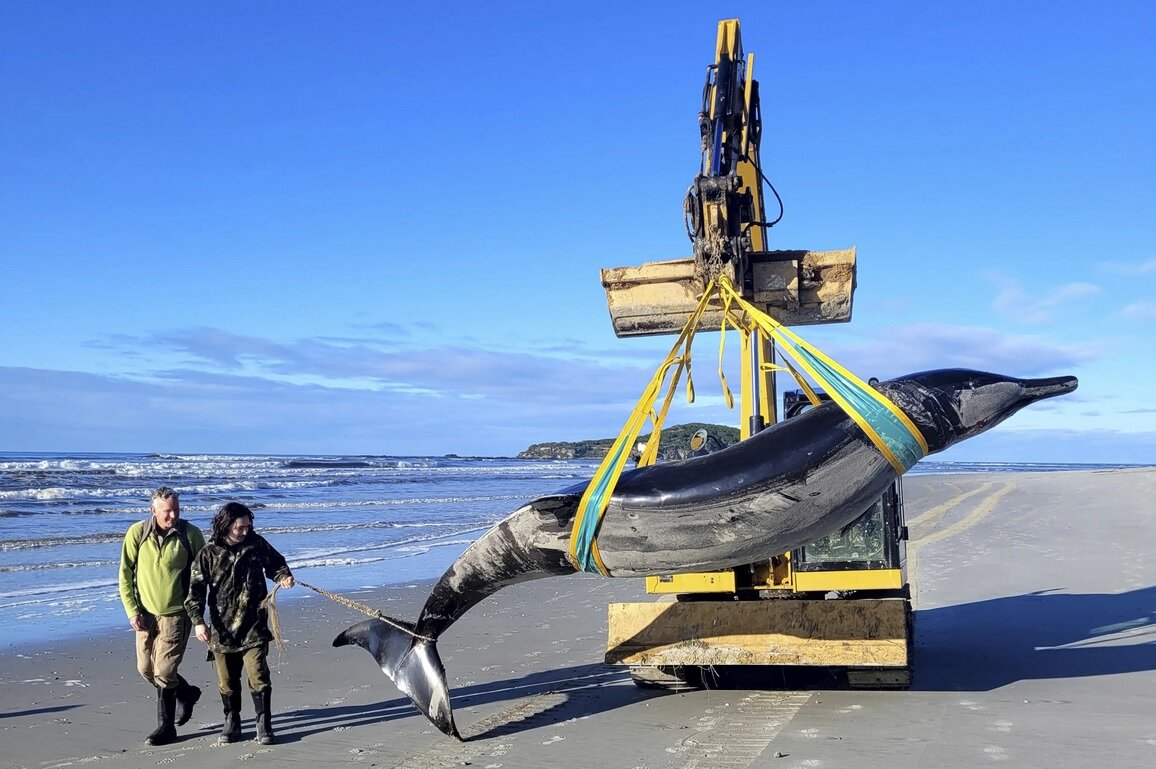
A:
<point x="951" y="405"/>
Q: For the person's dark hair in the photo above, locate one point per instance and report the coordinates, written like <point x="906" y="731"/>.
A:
<point x="226" y="514"/>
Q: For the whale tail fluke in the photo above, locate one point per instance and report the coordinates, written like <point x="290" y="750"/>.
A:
<point x="411" y="662"/>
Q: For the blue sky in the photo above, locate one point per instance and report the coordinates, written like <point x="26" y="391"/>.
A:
<point x="376" y="228"/>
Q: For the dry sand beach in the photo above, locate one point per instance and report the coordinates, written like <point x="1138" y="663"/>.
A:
<point x="1035" y="596"/>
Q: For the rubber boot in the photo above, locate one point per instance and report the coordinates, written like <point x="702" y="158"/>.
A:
<point x="231" y="729"/>
<point x="264" y="717"/>
<point x="166" y="712"/>
<point x="187" y="696"/>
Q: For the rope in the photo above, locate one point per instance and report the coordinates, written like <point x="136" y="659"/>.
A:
<point x="372" y="612"/>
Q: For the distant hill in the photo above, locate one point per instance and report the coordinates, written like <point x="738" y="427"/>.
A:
<point x="675" y="443"/>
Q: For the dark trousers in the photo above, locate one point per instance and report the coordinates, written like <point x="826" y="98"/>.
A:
<point x="255" y="663"/>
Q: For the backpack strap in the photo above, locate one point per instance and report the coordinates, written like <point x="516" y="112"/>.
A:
<point x="183" y="537"/>
<point x="186" y="573"/>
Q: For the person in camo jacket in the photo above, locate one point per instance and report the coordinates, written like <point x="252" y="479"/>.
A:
<point x="229" y="578"/>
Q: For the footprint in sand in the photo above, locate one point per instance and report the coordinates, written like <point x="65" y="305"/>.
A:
<point x="552" y="740"/>
<point x="996" y="753"/>
<point x="247" y="756"/>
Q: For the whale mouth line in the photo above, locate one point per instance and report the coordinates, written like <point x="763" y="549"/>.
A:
<point x="1038" y="389"/>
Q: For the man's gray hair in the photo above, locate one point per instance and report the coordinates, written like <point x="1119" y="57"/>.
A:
<point x="164" y="492"/>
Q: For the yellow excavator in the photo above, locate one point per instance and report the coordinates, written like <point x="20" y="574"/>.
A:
<point x="842" y="602"/>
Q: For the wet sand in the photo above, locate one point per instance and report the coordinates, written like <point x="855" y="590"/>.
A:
<point x="1035" y="596"/>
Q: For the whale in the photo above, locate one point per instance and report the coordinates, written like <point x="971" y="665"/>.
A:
<point x="780" y="489"/>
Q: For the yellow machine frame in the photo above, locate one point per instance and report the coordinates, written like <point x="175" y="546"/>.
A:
<point x="869" y="636"/>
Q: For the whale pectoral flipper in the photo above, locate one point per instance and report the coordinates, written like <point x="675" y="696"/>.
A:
<point x="411" y="662"/>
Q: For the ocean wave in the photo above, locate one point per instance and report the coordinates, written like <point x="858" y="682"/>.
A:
<point x="107" y="537"/>
<point x="323" y="464"/>
<point x="331" y="527"/>
<point x="59" y="565"/>
<point x="55" y="589"/>
<point x="407" y="551"/>
<point x="344" y="550"/>
<point x="217" y="488"/>
<point x="60" y="492"/>
<point x="206" y="511"/>
<point x="64" y="606"/>
<point x="315" y="563"/>
<point x="940" y="467"/>
<point x="352" y="503"/>
<point x="425" y="548"/>
<point x="54" y="466"/>
<point x="42" y="542"/>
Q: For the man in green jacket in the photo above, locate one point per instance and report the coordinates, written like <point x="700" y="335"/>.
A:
<point x="155" y="565"/>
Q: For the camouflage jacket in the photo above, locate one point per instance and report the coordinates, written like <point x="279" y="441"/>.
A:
<point x="230" y="580"/>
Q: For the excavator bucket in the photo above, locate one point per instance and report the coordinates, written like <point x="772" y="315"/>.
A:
<point x="796" y="288"/>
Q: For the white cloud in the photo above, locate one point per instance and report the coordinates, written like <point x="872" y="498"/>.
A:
<point x="1139" y="311"/>
<point x="327" y="395"/>
<point x="1131" y="268"/>
<point x="1013" y="302"/>
<point x="906" y="349"/>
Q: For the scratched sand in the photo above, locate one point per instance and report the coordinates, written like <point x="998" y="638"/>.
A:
<point x="1035" y="598"/>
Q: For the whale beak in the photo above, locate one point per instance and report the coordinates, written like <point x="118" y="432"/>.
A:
<point x="1038" y="389"/>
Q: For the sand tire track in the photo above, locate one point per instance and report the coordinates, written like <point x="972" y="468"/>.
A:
<point x="982" y="510"/>
<point x="447" y="752"/>
<point x="739" y="736"/>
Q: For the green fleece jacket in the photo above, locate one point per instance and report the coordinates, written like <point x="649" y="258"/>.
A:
<point x="154" y="567"/>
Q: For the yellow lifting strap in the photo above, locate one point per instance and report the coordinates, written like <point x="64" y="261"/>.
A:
<point x="892" y="431"/>
<point x="583" y="539"/>
<point x="888" y="428"/>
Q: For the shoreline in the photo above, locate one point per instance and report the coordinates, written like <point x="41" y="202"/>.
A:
<point x="42" y="603"/>
<point x="1025" y="648"/>
<point x="420" y="569"/>
<point x="76" y="611"/>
